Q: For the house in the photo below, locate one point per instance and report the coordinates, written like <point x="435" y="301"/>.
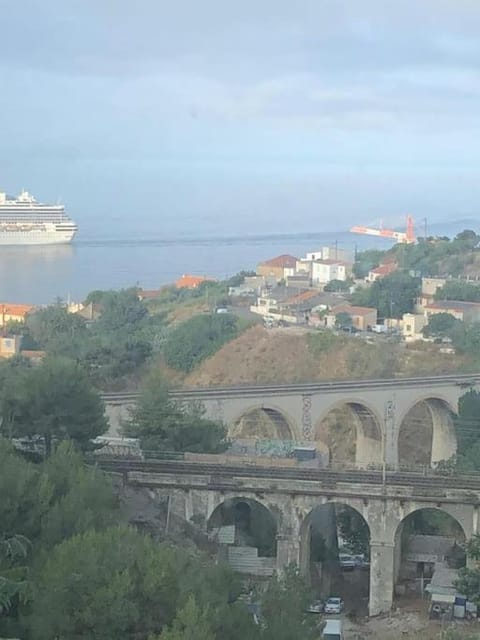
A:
<point x="325" y="254"/>
<point x="329" y="253"/>
<point x="272" y="300"/>
<point x="362" y="317"/>
<point x="90" y="312"/>
<point x="412" y="325"/>
<point x="279" y="267"/>
<point x="428" y="291"/>
<point x="191" y="282"/>
<point x="150" y="294"/>
<point x="252" y="286"/>
<point x="10" y="312"/>
<point x="293" y="304"/>
<point x="465" y="311"/>
<point x="324" y="271"/>
<point x="300" y="280"/>
<point x="381" y="271"/>
<point x="10" y="346"/>
<point x="34" y="355"/>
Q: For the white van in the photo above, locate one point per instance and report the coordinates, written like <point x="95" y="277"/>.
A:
<point x="332" y="630"/>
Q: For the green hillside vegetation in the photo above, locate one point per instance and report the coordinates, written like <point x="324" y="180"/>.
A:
<point x="71" y="567"/>
<point x="115" y="348"/>
<point x="431" y="257"/>
<point x="392" y="295"/>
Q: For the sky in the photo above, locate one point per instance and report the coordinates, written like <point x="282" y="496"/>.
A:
<point x="263" y="116"/>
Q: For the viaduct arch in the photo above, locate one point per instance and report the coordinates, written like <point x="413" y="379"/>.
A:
<point x="401" y="409"/>
<point x="292" y="516"/>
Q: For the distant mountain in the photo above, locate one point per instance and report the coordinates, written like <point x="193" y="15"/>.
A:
<point x="450" y="227"/>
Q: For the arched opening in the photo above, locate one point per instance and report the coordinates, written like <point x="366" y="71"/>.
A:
<point x="262" y="428"/>
<point x="427" y="433"/>
<point x="428" y="553"/>
<point x="335" y="555"/>
<point x="352" y="434"/>
<point x="247" y="534"/>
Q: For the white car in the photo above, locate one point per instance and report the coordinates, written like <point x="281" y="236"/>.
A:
<point x="333" y="605"/>
<point x="315" y="607"/>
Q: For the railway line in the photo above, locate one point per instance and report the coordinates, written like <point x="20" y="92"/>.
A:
<point x="324" y="476"/>
<point x="464" y="380"/>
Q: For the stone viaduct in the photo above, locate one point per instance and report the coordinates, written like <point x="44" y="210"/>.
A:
<point x="291" y="496"/>
<point x="379" y="411"/>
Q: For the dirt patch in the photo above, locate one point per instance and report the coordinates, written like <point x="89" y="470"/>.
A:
<point x="296" y="354"/>
<point x="407" y="625"/>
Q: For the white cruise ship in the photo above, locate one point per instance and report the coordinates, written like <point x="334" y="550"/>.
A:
<point x="23" y="220"/>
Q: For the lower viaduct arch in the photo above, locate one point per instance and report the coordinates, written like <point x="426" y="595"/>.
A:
<point x="385" y="533"/>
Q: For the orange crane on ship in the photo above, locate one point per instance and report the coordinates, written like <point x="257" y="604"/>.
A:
<point x="406" y="237"/>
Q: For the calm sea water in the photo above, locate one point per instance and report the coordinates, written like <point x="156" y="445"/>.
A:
<point x="39" y="275"/>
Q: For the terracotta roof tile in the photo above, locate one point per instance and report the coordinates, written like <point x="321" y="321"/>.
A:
<point x="282" y="261"/>
<point x="191" y="282"/>
<point x="15" y="309"/>
<point x="353" y="310"/>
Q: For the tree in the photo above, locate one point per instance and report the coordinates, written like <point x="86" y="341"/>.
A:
<point x="338" y="286"/>
<point x="284" y="607"/>
<point x="194" y="340"/>
<point x="367" y="260"/>
<point x="392" y="295"/>
<point x="458" y="290"/>
<point x="191" y="623"/>
<point x="163" y="423"/>
<point x="468" y="582"/>
<point x="61" y="403"/>
<point x="82" y="498"/>
<point x="354" y="531"/>
<point x="121" y="310"/>
<point x="440" y="324"/>
<point x="55" y="329"/>
<point x="467" y="240"/>
<point x="13" y="576"/>
<point x="343" y="320"/>
<point x="105" y="585"/>
<point x="13" y="394"/>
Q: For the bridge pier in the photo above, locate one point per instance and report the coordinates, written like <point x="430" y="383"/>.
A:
<point x="288" y="551"/>
<point x="381" y="577"/>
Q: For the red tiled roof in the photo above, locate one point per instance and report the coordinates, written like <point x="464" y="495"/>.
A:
<point x="384" y="269"/>
<point x="15" y="309"/>
<point x="302" y="297"/>
<point x="353" y="311"/>
<point x="191" y="282"/>
<point x="281" y="261"/>
<point x="29" y="353"/>
<point x="456" y="305"/>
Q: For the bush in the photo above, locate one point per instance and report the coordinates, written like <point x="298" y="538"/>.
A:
<point x="198" y="338"/>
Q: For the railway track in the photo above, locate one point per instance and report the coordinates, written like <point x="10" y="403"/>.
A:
<point x="315" y="387"/>
<point x="392" y="478"/>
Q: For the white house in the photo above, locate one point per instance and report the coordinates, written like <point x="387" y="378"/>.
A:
<point x="325" y="270"/>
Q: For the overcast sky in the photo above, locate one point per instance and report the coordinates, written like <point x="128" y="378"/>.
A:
<point x="236" y="116"/>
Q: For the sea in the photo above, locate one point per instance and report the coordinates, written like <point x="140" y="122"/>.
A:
<point x="44" y="274"/>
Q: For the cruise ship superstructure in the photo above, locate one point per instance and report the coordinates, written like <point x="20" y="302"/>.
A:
<point x="23" y="220"/>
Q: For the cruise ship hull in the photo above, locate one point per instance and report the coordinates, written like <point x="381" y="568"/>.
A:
<point x="16" y="238"/>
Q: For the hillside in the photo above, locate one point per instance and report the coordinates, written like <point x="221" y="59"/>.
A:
<point x="262" y="356"/>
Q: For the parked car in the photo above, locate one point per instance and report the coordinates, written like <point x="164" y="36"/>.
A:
<point x="347" y="562"/>
<point x="333" y="605"/>
<point x="361" y="562"/>
<point x="315" y="607"/>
